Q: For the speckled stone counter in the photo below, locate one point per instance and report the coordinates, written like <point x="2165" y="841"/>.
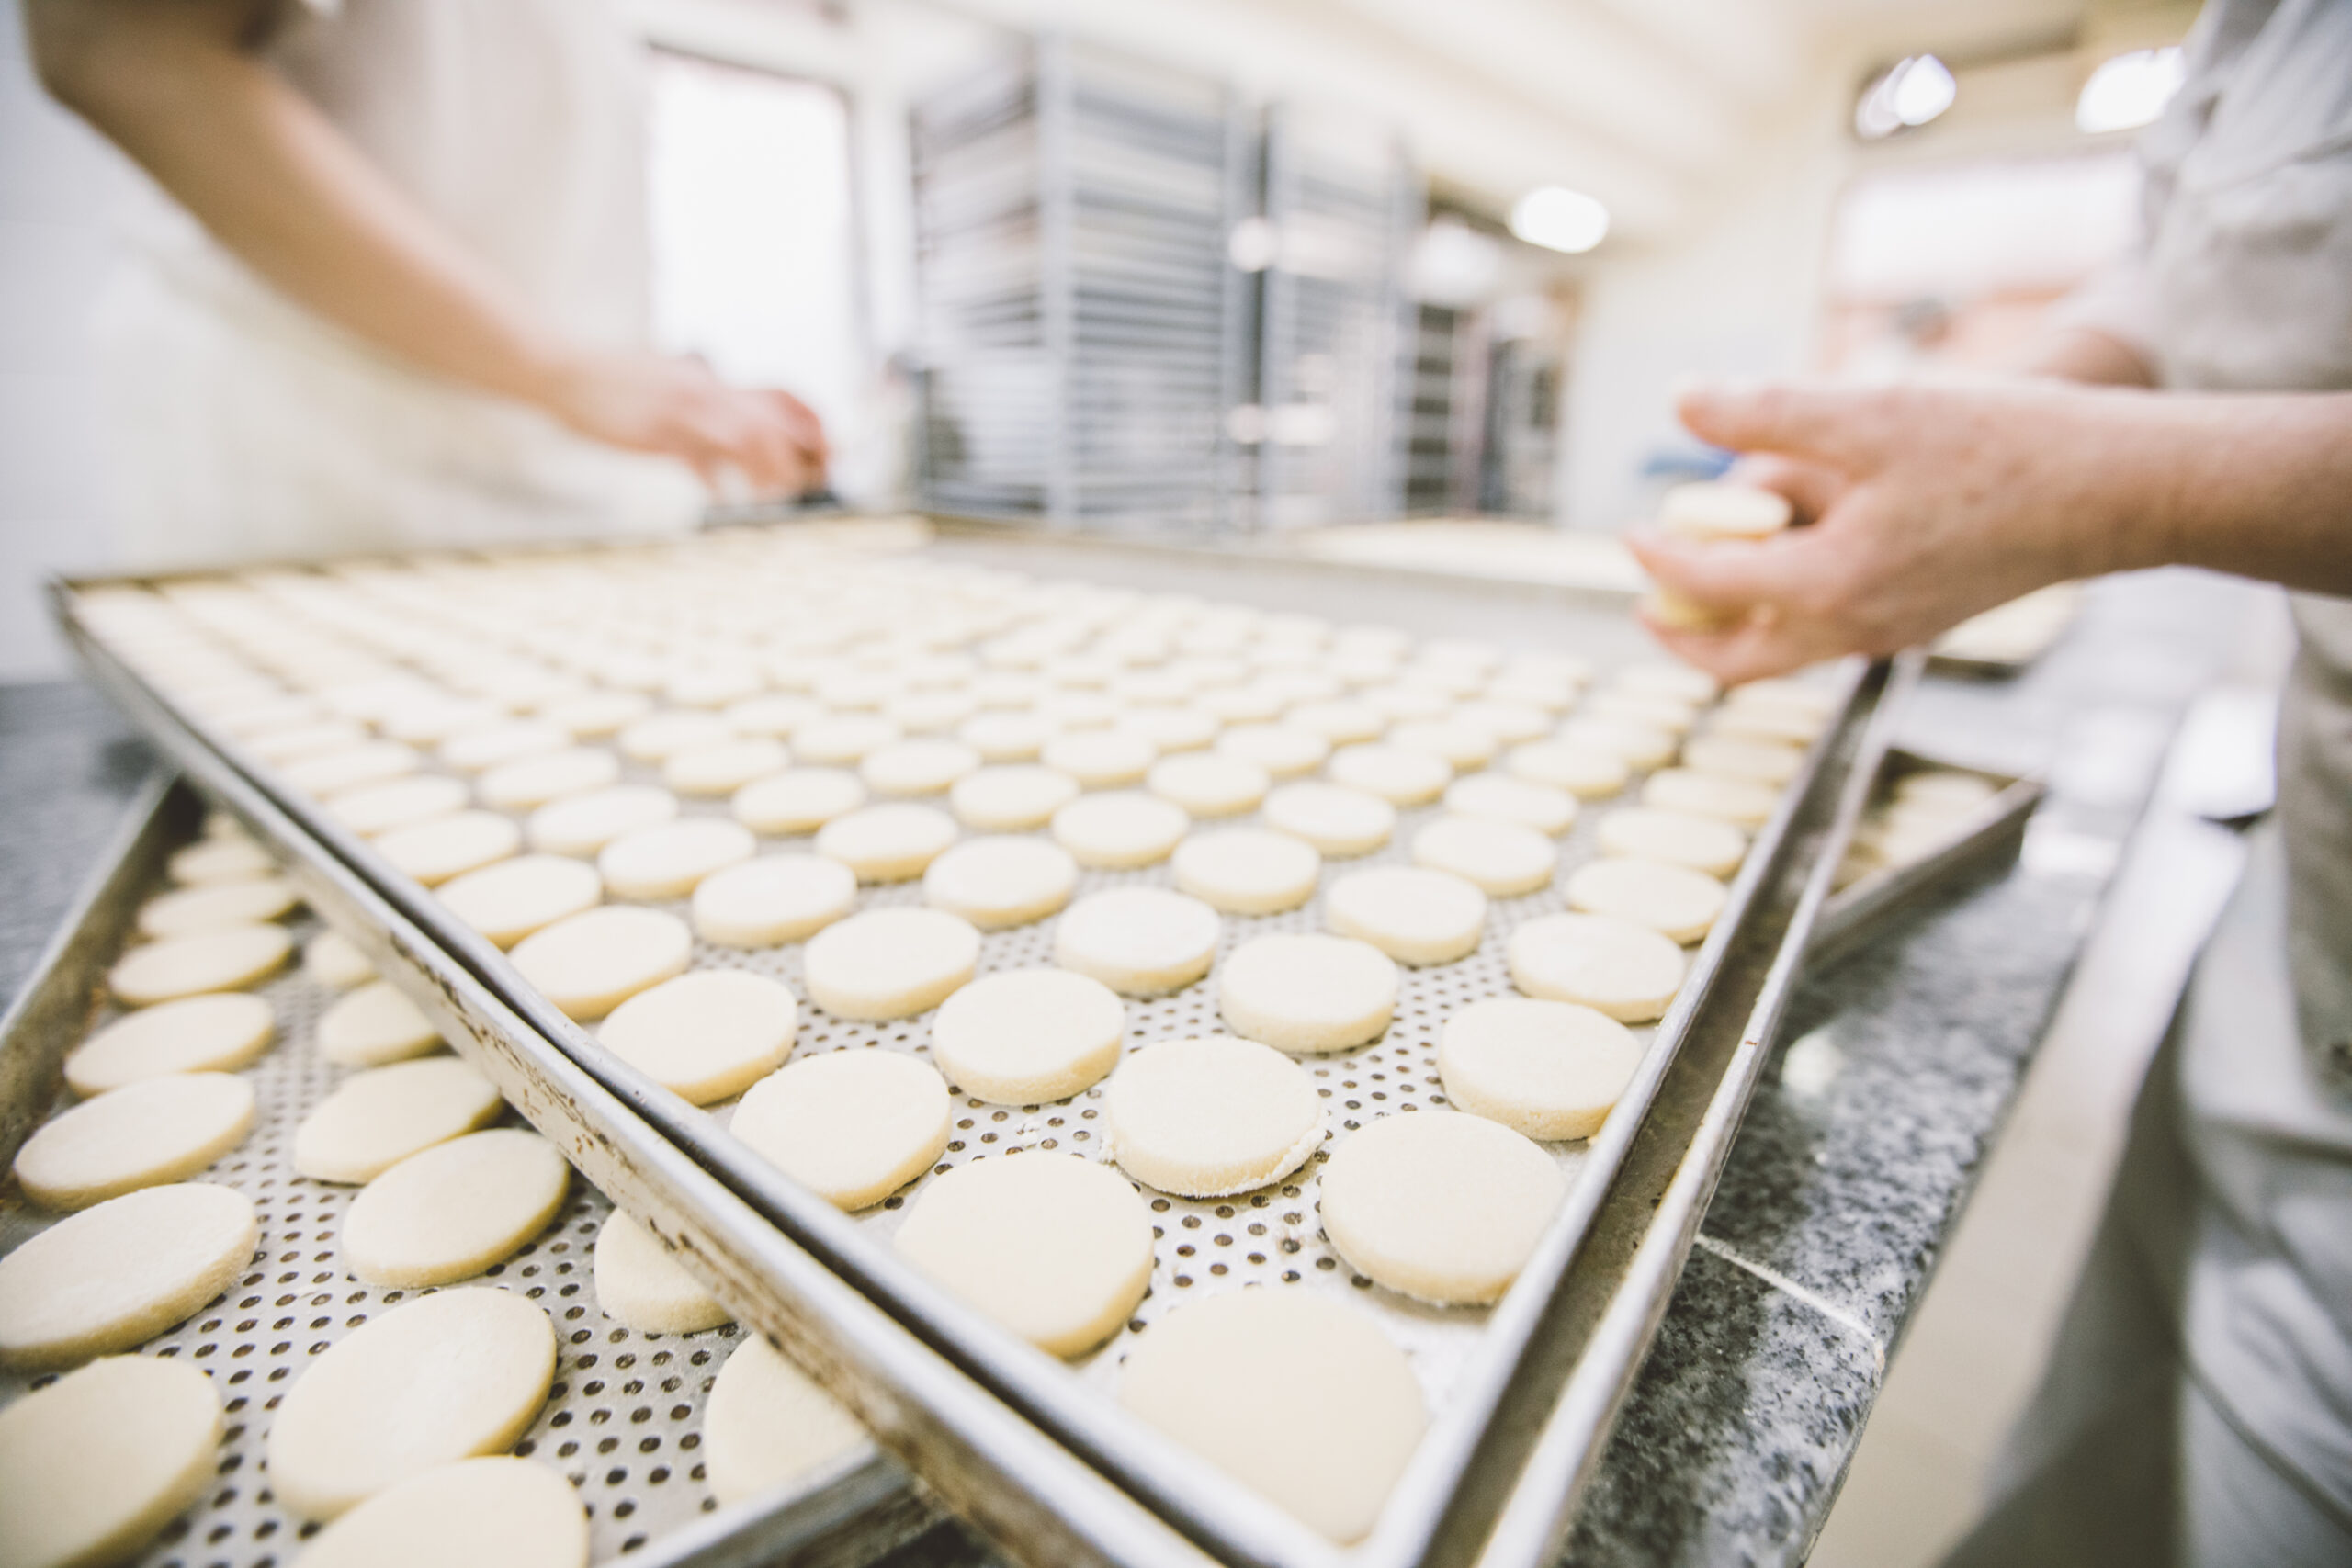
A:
<point x="1893" y="1075"/>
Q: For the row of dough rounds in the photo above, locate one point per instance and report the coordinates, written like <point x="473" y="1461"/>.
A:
<point x="391" y="1434"/>
<point x="1112" y="745"/>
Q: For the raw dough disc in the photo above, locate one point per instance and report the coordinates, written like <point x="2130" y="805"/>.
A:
<point x="1508" y="722"/>
<point x="1247" y="871"/>
<point x="887" y="963"/>
<point x="1673" y="900"/>
<point x="1140" y="942"/>
<point x="1122" y="830"/>
<point x="891" y="842"/>
<point x="839" y="740"/>
<point x="1680" y="681"/>
<point x="449" y="1211"/>
<point x="1626" y="971"/>
<point x="1028" y="1036"/>
<point x="1300" y="1399"/>
<point x="1398" y="774"/>
<point x="1585" y="772"/>
<point x="1464" y="746"/>
<point x="208" y="861"/>
<point x="1341" y="722"/>
<point x="190" y="910"/>
<point x="508" y="901"/>
<point x="1741" y="802"/>
<point x="373" y="1025"/>
<point x="197" y="1035"/>
<point x="224" y="959"/>
<point x="450" y="846"/>
<point x="1645" y="708"/>
<point x="1673" y="838"/>
<point x="157" y="1130"/>
<point x="1211" y="1117"/>
<point x="775" y="714"/>
<point x="508" y="740"/>
<point x="93" y="1465"/>
<point x="1172" y="729"/>
<point x="376" y="1119"/>
<point x="773" y="899"/>
<point x="1011" y="799"/>
<point x="705" y="1036"/>
<point x="1285" y="750"/>
<point x="669" y="861"/>
<point x="531" y="781"/>
<point x="590" y="964"/>
<point x="332" y="959"/>
<point x="1306" y="993"/>
<point x="379" y="808"/>
<point x="1209" y="783"/>
<point x="924" y="766"/>
<point x="447" y="1377"/>
<point x="1442" y="1207"/>
<point x="999" y="883"/>
<point x="767" y="1425"/>
<point x="582" y="824"/>
<point x="478" y="1513"/>
<point x="1758" y="762"/>
<point x="1548" y="809"/>
<point x="726" y="767"/>
<point x="852" y="1126"/>
<point x="1334" y="819"/>
<point x="331" y="773"/>
<point x="1053" y="1247"/>
<point x="639" y="1285"/>
<point x="1409" y="912"/>
<point x="1638" y="745"/>
<point x="1101" y="759"/>
<point x="1546" y="1070"/>
<point x="1005" y="737"/>
<point x="657" y="737"/>
<point x="1504" y="859"/>
<point x="117" y="1275"/>
<point x="800" y="801"/>
<point x="1945" y="789"/>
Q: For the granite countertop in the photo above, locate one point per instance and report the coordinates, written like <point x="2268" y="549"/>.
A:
<point x="1891" y="1080"/>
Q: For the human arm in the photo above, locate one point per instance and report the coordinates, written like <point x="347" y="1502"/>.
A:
<point x="176" y="84"/>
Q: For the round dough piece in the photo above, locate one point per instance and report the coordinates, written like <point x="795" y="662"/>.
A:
<point x="1503" y="859"/>
<point x="1011" y="799"/>
<point x="1336" y="819"/>
<point x="1028" y="1036"/>
<point x="449" y="1211"/>
<point x="334" y="960"/>
<point x="924" y="766"/>
<point x="1680" y="681"/>
<point x="1005" y="737"/>
<point x="531" y="781"/>
<point x="705" y="1036"/>
<point x="1285" y="750"/>
<point x="891" y="842"/>
<point x="852" y="1126"/>
<point x="670" y="860"/>
<point x="1300" y="1399"/>
<point x="1544" y="1069"/>
<point x="1643" y="709"/>
<point x="726" y="767"/>
<point x="1398" y="774"/>
<point x="767" y="1425"/>
<point x="1001" y="882"/>
<point x="594" y="715"/>
<point x="448" y="1376"/>
<point x="1101" y="759"/>
<point x="843" y="738"/>
<point x="1637" y="745"/>
<point x="1247" y="871"/>
<point x="1945" y="790"/>
<point x="657" y="737"/>
<point x="450" y="846"/>
<point x="190" y="910"/>
<point x="93" y="1465"/>
<point x="1465" y="746"/>
<point x="330" y="772"/>
<point x="402" y="803"/>
<point x="1548" y="809"/>
<point x="508" y="901"/>
<point x="1122" y="830"/>
<point x="800" y="801"/>
<point x="208" y="861"/>
<point x="1409" y="912"/>
<point x="376" y="1119"/>
<point x="773" y="899"/>
<point x="639" y="1285"/>
<point x="887" y="963"/>
<point x="1210" y="784"/>
<point x="1172" y="729"/>
<point x="1673" y="838"/>
<point x="1586" y="772"/>
<point x="478" y="1513"/>
<point x="143" y="1135"/>
<point x="1211" y="1117"/>
<point x="1140" y="942"/>
<point x="1613" y="967"/>
<point x="225" y="959"/>
<point x="1741" y="802"/>
<point x="582" y="824"/>
<point x="117" y="1275"/>
<point x="1672" y="900"/>
<point x="1439" y="1206"/>
<point x="373" y="1025"/>
<point x="590" y="963"/>
<point x="506" y="741"/>
<point x="215" y="1033"/>
<point x="1341" y="722"/>
<point x="1053" y="1247"/>
<point x="1306" y="993"/>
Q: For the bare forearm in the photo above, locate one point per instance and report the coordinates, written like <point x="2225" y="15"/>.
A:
<point x="2259" y="485"/>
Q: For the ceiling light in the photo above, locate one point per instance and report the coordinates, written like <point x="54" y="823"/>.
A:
<point x="1559" y="220"/>
<point x="2130" y="90"/>
<point x="1911" y="93"/>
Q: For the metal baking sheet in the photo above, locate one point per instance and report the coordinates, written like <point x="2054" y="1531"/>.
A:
<point x="1474" y="1356"/>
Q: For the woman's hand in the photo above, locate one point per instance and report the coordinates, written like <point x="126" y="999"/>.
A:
<point x="678" y="408"/>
